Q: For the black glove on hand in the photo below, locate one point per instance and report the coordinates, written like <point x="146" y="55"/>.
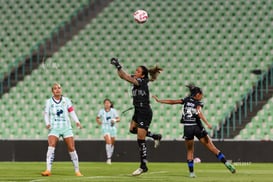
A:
<point x="114" y="61"/>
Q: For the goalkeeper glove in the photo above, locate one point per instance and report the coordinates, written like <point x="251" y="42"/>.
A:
<point x="114" y="61"/>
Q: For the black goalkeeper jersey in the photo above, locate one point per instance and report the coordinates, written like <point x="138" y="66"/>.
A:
<point x="141" y="95"/>
<point x="190" y="114"/>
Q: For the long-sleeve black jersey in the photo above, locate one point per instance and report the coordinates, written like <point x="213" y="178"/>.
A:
<point x="141" y="95"/>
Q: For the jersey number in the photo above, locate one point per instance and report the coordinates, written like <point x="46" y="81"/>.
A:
<point x="188" y="113"/>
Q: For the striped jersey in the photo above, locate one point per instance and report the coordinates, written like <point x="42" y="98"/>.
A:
<point x="58" y="112"/>
<point x="189" y="111"/>
<point x="106" y="117"/>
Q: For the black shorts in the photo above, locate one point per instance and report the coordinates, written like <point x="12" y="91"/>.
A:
<point x="143" y="117"/>
<point x="194" y="130"/>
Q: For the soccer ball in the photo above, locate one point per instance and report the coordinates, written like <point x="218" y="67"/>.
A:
<point x="196" y="160"/>
<point x="140" y="16"/>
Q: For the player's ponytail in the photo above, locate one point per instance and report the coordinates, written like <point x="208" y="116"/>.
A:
<point x="153" y="72"/>
<point x="194" y="89"/>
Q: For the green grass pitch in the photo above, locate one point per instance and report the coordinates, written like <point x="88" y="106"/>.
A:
<point x="167" y="172"/>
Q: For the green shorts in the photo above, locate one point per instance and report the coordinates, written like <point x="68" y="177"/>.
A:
<point x="64" y="132"/>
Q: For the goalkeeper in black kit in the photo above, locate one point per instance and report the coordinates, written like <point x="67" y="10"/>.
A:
<point x="143" y="114"/>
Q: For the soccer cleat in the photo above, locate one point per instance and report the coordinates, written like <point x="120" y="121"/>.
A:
<point x="139" y="171"/>
<point x="230" y="167"/>
<point x="192" y="175"/>
<point x="78" y="173"/>
<point x="46" y="173"/>
<point x="108" y="161"/>
<point x="157" y="140"/>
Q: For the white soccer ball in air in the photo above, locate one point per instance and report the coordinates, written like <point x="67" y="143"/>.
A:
<point x="140" y="16"/>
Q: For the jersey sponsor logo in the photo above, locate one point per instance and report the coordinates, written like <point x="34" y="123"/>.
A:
<point x="139" y="93"/>
<point x="189" y="104"/>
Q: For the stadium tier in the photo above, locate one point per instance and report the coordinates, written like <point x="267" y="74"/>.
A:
<point x="26" y="23"/>
<point x="214" y="44"/>
<point x="261" y="126"/>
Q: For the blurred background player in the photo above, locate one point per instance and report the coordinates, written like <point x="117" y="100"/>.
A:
<point x="143" y="114"/>
<point x="193" y="126"/>
<point x="107" y="118"/>
<point x="56" y="115"/>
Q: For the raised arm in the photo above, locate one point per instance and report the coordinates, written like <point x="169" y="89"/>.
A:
<point x="125" y="76"/>
<point x="168" y="101"/>
<point x="122" y="74"/>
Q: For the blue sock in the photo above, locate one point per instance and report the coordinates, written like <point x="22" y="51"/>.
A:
<point x="221" y="157"/>
<point x="190" y="165"/>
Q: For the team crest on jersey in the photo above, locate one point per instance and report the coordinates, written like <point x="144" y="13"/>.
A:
<point x="59" y="112"/>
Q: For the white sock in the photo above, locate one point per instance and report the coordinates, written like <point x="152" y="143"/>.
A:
<point x="108" y="151"/>
<point x="75" y="160"/>
<point x="49" y="157"/>
<point x="112" y="150"/>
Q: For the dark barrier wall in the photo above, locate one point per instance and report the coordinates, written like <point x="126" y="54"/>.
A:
<point x="127" y="151"/>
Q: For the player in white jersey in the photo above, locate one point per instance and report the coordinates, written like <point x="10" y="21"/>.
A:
<point x="107" y="118"/>
<point x="56" y="115"/>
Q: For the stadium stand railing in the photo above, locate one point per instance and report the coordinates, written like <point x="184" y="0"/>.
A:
<point x="260" y="127"/>
<point x="234" y="120"/>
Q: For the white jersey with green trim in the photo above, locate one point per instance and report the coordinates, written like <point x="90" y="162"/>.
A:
<point x="58" y="112"/>
<point x="106" y="117"/>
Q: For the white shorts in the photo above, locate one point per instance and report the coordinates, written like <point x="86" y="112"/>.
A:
<point x="109" y="130"/>
<point x="65" y="133"/>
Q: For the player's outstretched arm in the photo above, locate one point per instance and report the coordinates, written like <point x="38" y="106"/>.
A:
<point x="167" y="101"/>
<point x="122" y="74"/>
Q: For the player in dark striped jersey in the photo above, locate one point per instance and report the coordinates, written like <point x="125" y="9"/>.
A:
<point x="143" y="113"/>
<point x="191" y="118"/>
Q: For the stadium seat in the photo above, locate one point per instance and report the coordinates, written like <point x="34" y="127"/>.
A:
<point x="23" y="31"/>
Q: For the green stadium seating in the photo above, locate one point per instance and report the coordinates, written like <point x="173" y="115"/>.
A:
<point x="215" y="44"/>
<point x="25" y="23"/>
<point x="260" y="127"/>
